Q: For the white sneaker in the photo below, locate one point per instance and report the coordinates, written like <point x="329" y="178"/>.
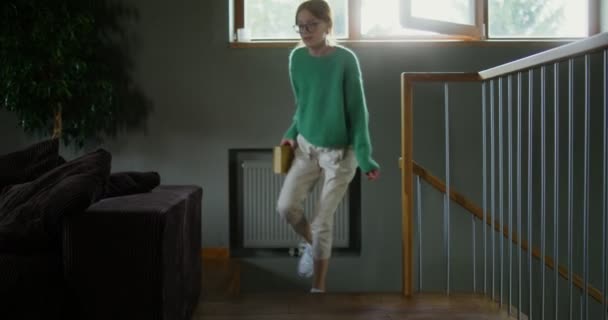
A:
<point x="305" y="266"/>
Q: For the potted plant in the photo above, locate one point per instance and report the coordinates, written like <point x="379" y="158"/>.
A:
<point x="64" y="69"/>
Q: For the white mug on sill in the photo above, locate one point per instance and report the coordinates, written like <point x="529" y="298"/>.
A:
<point x="243" y="35"/>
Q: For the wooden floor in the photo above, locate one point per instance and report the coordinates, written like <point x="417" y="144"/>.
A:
<point x="221" y="300"/>
<point x="345" y="306"/>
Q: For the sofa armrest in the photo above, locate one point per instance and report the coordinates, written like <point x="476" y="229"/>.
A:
<point x="137" y="256"/>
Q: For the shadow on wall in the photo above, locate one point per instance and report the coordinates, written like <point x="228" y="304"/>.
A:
<point x="135" y="106"/>
<point x="71" y="61"/>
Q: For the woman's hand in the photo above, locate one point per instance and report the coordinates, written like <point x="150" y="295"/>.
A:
<point x="289" y="142"/>
<point x="373" y="175"/>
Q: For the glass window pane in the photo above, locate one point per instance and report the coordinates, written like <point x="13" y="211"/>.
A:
<point x="380" y="18"/>
<point x="455" y="11"/>
<point x="274" y="19"/>
<point x="538" y="18"/>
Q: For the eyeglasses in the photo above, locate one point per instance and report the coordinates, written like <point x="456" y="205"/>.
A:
<point x="308" y="27"/>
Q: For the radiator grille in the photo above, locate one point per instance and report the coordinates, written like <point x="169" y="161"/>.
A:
<point x="262" y="226"/>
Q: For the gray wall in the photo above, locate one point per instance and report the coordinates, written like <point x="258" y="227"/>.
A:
<point x="209" y="98"/>
<point x="604" y="15"/>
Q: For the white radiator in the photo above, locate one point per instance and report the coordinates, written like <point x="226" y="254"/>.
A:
<point x="262" y="225"/>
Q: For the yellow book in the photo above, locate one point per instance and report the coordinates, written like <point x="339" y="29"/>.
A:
<point x="282" y="156"/>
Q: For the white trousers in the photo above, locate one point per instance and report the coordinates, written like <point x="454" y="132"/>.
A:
<point x="334" y="169"/>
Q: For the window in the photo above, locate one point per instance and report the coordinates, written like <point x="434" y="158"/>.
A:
<point x="268" y="20"/>
<point x="539" y="19"/>
<point x="462" y="17"/>
<point x="274" y="19"/>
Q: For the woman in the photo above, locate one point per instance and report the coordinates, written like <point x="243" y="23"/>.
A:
<point x="329" y="135"/>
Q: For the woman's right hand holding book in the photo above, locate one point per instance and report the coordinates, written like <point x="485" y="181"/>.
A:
<point x="289" y="142"/>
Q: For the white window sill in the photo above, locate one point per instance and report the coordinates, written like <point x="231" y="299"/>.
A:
<point x="411" y="43"/>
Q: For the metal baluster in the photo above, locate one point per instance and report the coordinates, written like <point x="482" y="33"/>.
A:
<point x="586" y="191"/>
<point x="500" y="190"/>
<point x="556" y="188"/>
<point x="485" y="182"/>
<point x="447" y="186"/>
<point x="492" y="188"/>
<point x="570" y="181"/>
<point x="519" y="248"/>
<point x="605" y="191"/>
<point x="543" y="185"/>
<point x="530" y="242"/>
<point x="474" y="248"/>
<point x="510" y="184"/>
<point x="419" y="218"/>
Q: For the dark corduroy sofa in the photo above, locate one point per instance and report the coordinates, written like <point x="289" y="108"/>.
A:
<point x="135" y="256"/>
<point x="138" y="256"/>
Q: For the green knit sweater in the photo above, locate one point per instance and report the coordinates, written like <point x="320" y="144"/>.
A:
<point x="330" y="103"/>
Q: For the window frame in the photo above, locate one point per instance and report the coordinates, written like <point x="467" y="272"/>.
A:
<point x="354" y="20"/>
<point x="476" y="31"/>
<point x="237" y="14"/>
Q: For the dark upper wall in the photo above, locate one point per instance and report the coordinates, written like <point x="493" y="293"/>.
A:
<point x="209" y="98"/>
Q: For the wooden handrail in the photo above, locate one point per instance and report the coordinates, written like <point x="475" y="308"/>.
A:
<point x="571" y="50"/>
<point x="440" y="76"/>
<point x="407" y="148"/>
<point x="468" y="205"/>
<point x="407" y="203"/>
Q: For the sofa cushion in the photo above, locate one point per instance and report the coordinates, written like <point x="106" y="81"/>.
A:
<point x="127" y="183"/>
<point x="31" y="213"/>
<point x="29" y="163"/>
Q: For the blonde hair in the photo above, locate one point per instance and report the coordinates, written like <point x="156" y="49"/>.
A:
<point x="321" y="10"/>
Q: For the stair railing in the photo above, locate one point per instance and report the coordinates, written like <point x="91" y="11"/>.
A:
<point x="527" y="83"/>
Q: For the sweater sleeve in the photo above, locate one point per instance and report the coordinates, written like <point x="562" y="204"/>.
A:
<point x="358" y="116"/>
<point x="292" y="131"/>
